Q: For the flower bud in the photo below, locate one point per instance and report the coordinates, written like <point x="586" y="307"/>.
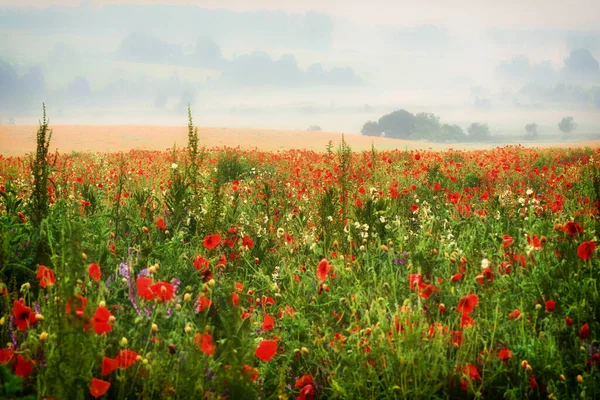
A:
<point x="102" y="304"/>
<point x="39" y="317"/>
<point x="188" y="329"/>
<point x="187" y="297"/>
<point x="154" y="328"/>
<point x="43" y="336"/>
<point x="124" y="341"/>
<point x="579" y="378"/>
<point x="211" y="282"/>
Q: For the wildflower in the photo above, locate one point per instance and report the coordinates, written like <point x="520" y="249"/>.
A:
<point x="506" y="240"/>
<point x="268" y="322"/>
<point x="584" y="332"/>
<point x="468" y="303"/>
<point x="251" y="372"/>
<point x="109" y="365"/>
<point x="203" y="304"/>
<point x="6" y="355"/>
<point x="572" y="228"/>
<point x="100" y="321"/>
<point x="143" y="287"/>
<point x="504" y="354"/>
<point x="550" y="305"/>
<point x="568" y="321"/>
<point x="126" y="358"/>
<point x="23" y="315"/>
<point x="98" y="387"/>
<point x="266" y="350"/>
<point x="585" y="249"/>
<point x="323" y="269"/>
<point x="515" y="314"/>
<point x="94" y="271"/>
<point x="163" y="291"/>
<point x="46" y="276"/>
<point x="205" y="343"/>
<point x="161" y="224"/>
<point x="466" y="321"/>
<point x="212" y="241"/>
<point x="24" y="366"/>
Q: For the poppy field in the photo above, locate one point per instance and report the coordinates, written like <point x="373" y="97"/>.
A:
<point x="242" y="274"/>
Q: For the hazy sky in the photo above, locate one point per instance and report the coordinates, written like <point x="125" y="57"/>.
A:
<point x="458" y="14"/>
<point x="291" y="63"/>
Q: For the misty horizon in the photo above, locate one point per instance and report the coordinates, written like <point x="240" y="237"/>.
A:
<point x="279" y="66"/>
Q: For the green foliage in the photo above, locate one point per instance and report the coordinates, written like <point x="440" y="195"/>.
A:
<point x="399" y="124"/>
<point x="40" y="169"/>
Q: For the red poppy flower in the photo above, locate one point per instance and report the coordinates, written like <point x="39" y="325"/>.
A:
<point x="456" y="277"/>
<point x="266" y="350"/>
<point x="98" y="387"/>
<point x="100" y="321"/>
<point x="205" y="343"/>
<point x="466" y="321"/>
<point x="456" y="338"/>
<point x="94" y="271"/>
<point x="6" y="355"/>
<point x="506" y="240"/>
<point x="143" y="287"/>
<point x="46" y="276"/>
<point x="585" y="249"/>
<point x="303" y="381"/>
<point x="323" y="269"/>
<point x="472" y="372"/>
<point x="268" y="322"/>
<point x="251" y="372"/>
<point x="23" y="315"/>
<point x="161" y="224"/>
<point x="203" y="304"/>
<point x="24" y="366"/>
<point x="201" y="263"/>
<point x="584" y="332"/>
<point x="550" y="305"/>
<point x="212" y="241"/>
<point x="126" y="358"/>
<point x="246" y="241"/>
<point x="425" y="290"/>
<point x="504" y="354"/>
<point x="468" y="303"/>
<point x="306" y="393"/>
<point x="414" y="280"/>
<point x="568" y="321"/>
<point x="163" y="291"/>
<point x="239" y="287"/>
<point x="109" y="365"/>
<point x="572" y="228"/>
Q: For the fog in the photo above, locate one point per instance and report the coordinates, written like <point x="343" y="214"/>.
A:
<point x="290" y="65"/>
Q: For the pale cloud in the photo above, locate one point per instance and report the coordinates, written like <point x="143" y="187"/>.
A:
<point x="461" y="15"/>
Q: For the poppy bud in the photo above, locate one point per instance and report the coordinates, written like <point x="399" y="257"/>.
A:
<point x="187" y="297"/>
<point x="538" y="306"/>
<point x="178" y="306"/>
<point x="579" y="378"/>
<point x="2" y="321"/>
<point x="211" y="282"/>
<point x="188" y="329"/>
<point x="102" y="304"/>
<point x="112" y="318"/>
<point x="524" y="364"/>
<point x="124" y="280"/>
<point x="384" y="248"/>
<point x="25" y="286"/>
<point x="145" y="229"/>
<point x="154" y="327"/>
<point x="123" y="341"/>
<point x="391" y="244"/>
<point x="84" y="256"/>
<point x="39" y="317"/>
<point x="139" y="358"/>
<point x="145" y="361"/>
<point x="442" y="308"/>
<point x="562" y="377"/>
<point x="304" y="350"/>
<point x="43" y="336"/>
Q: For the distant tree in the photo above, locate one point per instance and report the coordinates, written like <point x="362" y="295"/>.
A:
<point x="532" y="132"/>
<point x="371" y="128"/>
<point x="567" y="124"/>
<point x="314" y="128"/>
<point x="478" y="132"/>
<point x="427" y="126"/>
<point x="452" y="133"/>
<point x="399" y="124"/>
